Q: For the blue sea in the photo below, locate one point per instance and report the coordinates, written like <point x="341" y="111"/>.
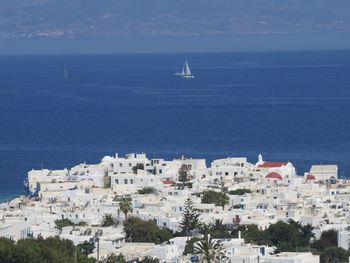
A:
<point x="289" y="106"/>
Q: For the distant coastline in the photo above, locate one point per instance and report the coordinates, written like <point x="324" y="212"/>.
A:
<point x="178" y="44"/>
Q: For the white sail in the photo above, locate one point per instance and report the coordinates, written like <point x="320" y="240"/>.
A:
<point x="187" y="69"/>
<point x="183" y="70"/>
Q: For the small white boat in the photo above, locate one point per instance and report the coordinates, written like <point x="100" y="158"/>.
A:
<point x="185" y="72"/>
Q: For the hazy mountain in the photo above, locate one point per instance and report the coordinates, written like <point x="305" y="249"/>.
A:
<point x="115" y="18"/>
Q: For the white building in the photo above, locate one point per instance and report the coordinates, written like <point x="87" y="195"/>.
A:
<point x="130" y="182"/>
<point x="324" y="172"/>
<point x="232" y="170"/>
<point x="94" y="172"/>
<point x="37" y="177"/>
<point x="292" y="257"/>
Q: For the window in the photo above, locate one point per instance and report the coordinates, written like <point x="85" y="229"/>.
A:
<point x="111" y="165"/>
<point x="226" y="173"/>
<point x="116" y="181"/>
<point x="125" y="181"/>
<point x="120" y="165"/>
<point x="131" y="181"/>
<point x="129" y="164"/>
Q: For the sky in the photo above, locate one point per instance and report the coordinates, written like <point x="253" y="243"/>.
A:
<point x="114" y="26"/>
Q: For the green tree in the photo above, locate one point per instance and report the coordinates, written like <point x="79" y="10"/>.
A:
<point x="334" y="255"/>
<point x="109" y="220"/>
<point x="190" y="218"/>
<point x="217" y="198"/>
<point x="6" y="249"/>
<point x="211" y="251"/>
<point x="28" y="248"/>
<point x="239" y="192"/>
<point x="183" y="175"/>
<point x="86" y="248"/>
<point x="251" y="234"/>
<point x="149" y="260"/>
<point x="60" y="223"/>
<point x="52" y="249"/>
<point x="204" y="229"/>
<point x="284" y="236"/>
<point x="112" y="258"/>
<point x="218" y="229"/>
<point x="189" y="248"/>
<point x="328" y="238"/>
<point x="146" y="190"/>
<point x="125" y="206"/>
<point x="81" y="223"/>
<point x="306" y="233"/>
<point x="217" y="225"/>
<point x="138" y="230"/>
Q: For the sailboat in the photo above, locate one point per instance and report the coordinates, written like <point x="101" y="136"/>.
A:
<point x="185" y="72"/>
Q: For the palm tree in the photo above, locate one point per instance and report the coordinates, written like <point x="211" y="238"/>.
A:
<point x="125" y="206"/>
<point x="204" y="229"/>
<point x="210" y="250"/>
<point x="109" y="220"/>
<point x="218" y="225"/>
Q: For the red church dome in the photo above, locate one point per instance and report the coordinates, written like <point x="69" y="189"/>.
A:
<point x="274" y="175"/>
<point x="310" y="177"/>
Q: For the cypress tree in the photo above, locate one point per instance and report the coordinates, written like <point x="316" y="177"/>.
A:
<point x="189" y="220"/>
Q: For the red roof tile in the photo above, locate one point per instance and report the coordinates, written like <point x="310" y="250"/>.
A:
<point x="168" y="182"/>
